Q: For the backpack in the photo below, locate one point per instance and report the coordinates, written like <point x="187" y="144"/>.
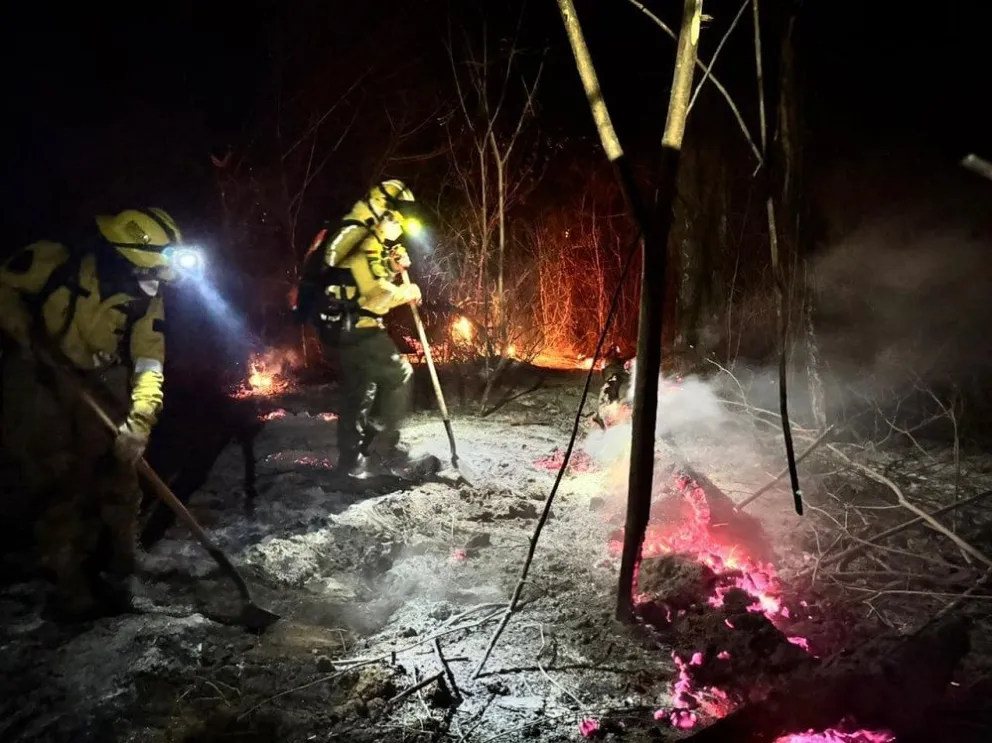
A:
<point x="331" y="315"/>
<point x="110" y="271"/>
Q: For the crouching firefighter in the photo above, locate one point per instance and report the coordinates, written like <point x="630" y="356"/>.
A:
<point x="96" y="299"/>
<point x="348" y="286"/>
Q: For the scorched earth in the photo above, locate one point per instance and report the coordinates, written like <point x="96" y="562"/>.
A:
<point x="385" y="588"/>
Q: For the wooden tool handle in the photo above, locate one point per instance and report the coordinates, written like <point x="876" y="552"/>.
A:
<point x="427" y="352"/>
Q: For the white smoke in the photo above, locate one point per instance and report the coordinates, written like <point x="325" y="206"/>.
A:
<point x="687" y="407"/>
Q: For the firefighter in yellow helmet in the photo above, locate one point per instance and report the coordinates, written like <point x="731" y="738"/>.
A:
<point x="349" y="285"/>
<point x="96" y="298"/>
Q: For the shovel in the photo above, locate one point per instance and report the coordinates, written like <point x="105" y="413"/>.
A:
<point x="437" y="385"/>
<point x="252" y="616"/>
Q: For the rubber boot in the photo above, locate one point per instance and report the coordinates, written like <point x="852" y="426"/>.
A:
<point x="352" y="464"/>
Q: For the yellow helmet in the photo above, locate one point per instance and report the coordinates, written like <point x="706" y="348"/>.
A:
<point x="389" y="196"/>
<point x="394" y="197"/>
<point x="141" y="236"/>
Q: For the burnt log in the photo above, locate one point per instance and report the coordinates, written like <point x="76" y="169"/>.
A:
<point x="890" y="682"/>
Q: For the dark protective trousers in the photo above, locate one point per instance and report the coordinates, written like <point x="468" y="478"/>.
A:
<point x="375" y="392"/>
<point x="64" y="462"/>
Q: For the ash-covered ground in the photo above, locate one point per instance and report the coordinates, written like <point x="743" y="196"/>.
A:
<point x="367" y="575"/>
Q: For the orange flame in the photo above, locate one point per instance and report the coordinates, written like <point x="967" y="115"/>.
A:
<point x="462" y="330"/>
<point x="268" y="374"/>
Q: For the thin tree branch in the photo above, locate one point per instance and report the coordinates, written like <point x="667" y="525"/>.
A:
<point x="316" y="125"/>
<point x="713" y="79"/>
<point x="719" y="47"/>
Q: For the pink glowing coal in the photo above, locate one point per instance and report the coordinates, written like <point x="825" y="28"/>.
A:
<point x="578" y="462"/>
<point x="693" y="535"/>
<point x="839" y="735"/>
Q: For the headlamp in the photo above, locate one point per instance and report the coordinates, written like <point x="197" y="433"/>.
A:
<point x="184" y="260"/>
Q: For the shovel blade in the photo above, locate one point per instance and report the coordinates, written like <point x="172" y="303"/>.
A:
<point x="257" y="619"/>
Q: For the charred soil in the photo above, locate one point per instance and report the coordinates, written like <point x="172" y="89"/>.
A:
<point x="384" y="585"/>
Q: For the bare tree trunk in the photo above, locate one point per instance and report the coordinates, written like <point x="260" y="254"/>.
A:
<point x="779" y="276"/>
<point x="685" y="250"/>
<point x="790" y="174"/>
<point x="652" y="303"/>
<point x="500" y="163"/>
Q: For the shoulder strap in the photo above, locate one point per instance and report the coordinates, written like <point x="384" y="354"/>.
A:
<point x="65" y="275"/>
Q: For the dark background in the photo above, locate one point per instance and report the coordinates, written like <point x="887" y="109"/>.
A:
<point x="104" y="104"/>
<point x="109" y="106"/>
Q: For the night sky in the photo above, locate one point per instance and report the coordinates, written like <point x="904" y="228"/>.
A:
<point x="106" y="106"/>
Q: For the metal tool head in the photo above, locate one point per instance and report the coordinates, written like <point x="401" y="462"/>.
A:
<point x="257" y="619"/>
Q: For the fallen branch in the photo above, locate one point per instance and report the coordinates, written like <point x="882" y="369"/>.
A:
<point x="301" y="687"/>
<point x="926" y="517"/>
<point x="447" y="670"/>
<point x="413" y="690"/>
<point x="546" y="675"/>
<point x="387" y="657"/>
<point x="894" y="530"/>
<point x="960" y="599"/>
<point x="766" y="487"/>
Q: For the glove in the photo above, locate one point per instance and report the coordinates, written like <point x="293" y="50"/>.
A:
<point x="131" y="442"/>
<point x="411" y="293"/>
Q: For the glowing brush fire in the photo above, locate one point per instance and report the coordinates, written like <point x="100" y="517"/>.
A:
<point x="691" y="534"/>
<point x="268" y="374"/>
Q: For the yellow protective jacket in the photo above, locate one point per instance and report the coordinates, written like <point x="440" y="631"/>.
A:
<point x="99" y="325"/>
<point x="357" y="248"/>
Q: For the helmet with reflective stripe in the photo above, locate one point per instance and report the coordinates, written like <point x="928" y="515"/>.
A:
<point x="389" y="196"/>
<point x="141" y="235"/>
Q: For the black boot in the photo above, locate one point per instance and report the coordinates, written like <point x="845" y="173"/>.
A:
<point x="351" y="464"/>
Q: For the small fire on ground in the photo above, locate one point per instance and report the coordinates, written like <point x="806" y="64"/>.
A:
<point x="269" y="374"/>
<point x="280" y="413"/>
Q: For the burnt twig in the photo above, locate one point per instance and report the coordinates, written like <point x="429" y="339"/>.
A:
<point x="447" y="670"/>
<point x="413" y="689"/>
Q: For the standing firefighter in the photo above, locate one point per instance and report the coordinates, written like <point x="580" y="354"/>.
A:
<point x="348" y="287"/>
<point x="96" y="299"/>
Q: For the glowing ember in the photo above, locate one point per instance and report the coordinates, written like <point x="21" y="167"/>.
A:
<point x="695" y="538"/>
<point x="686" y="697"/>
<point x="307" y="460"/>
<point x="692" y="535"/>
<point x="267" y="374"/>
<point x="615" y="413"/>
<point x="836" y="735"/>
<point x="578" y="462"/>
<point x="273" y="415"/>
<point x="588" y="728"/>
